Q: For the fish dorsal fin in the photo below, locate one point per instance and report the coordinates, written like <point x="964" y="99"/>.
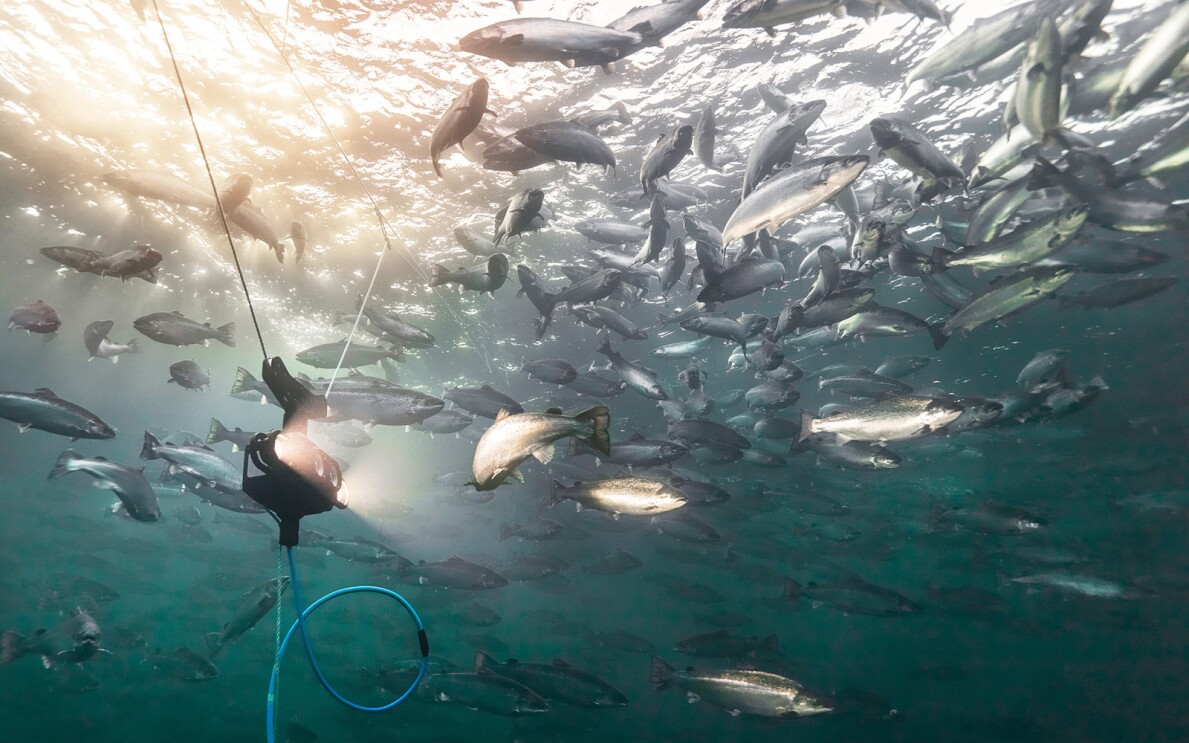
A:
<point x="44" y="392"/>
<point x="514" y="40"/>
<point x="455" y="559"/>
<point x="177" y="312"/>
<point x="554" y="411"/>
<point x="718" y="633"/>
<point x="486" y="387"/>
<point x="637" y="436"/>
<point x="99" y="458"/>
<point x="559" y="663"/>
<point x="504" y="413"/>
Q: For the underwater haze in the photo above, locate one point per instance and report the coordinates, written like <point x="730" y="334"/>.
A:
<point x="717" y="371"/>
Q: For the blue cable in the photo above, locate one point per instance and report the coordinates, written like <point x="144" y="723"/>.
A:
<point x="299" y="625"/>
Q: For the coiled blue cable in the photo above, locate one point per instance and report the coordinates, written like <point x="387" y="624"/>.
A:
<point x="299" y="626"/>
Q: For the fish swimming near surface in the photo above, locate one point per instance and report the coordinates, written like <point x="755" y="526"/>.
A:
<point x="36" y="317"/>
<point x="485" y="279"/>
<point x="201" y="463"/>
<point x="567" y="141"/>
<point x="894" y="419"/>
<point x="556" y="681"/>
<point x="666" y="154"/>
<point x="742" y="691"/>
<point x="547" y="40"/>
<point x="99" y="346"/>
<point x="300" y="239"/>
<point x="253" y="606"/>
<point x="138" y="262"/>
<point x="189" y="374"/>
<point x="45" y="411"/>
<point x="128" y="483"/>
<point x="796" y="190"/>
<point x="350" y="355"/>
<point x="632" y="496"/>
<point x="515" y="437"/>
<point x="459" y="121"/>
<point x="517" y="217"/>
<point x="174" y="329"/>
<point x="76" y="640"/>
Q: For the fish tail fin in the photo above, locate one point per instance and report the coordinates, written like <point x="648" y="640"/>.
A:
<point x="938" y="334"/>
<point x="1043" y="174"/>
<point x="62" y="466"/>
<point x="437" y="274"/>
<point x="217" y="432"/>
<point x="518" y="5"/>
<point x="11" y="647"/>
<point x="604" y="345"/>
<point x="243" y="381"/>
<point x="133" y="347"/>
<point x="506" y="532"/>
<point x="807" y="419"/>
<point x="214" y="643"/>
<point x="600" y="418"/>
<point x="792" y="589"/>
<point x="660" y="674"/>
<point x="624" y="116"/>
<point x="437" y="168"/>
<point x="771" y="643"/>
<point x="149" y="450"/>
<point x="226" y="334"/>
<point x="556" y="492"/>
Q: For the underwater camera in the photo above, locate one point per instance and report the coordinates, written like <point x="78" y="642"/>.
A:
<point x="283" y="470"/>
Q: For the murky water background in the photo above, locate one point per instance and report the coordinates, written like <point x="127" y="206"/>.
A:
<point x="86" y="88"/>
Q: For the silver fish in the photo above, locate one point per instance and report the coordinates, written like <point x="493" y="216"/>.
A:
<point x="45" y="411"/>
<point x="128" y="483"/>
<point x="515" y="437"/>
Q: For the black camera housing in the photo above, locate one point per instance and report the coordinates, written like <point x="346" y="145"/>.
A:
<point x="283" y="470"/>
